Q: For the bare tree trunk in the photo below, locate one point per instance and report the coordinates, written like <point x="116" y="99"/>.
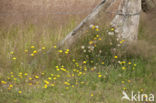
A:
<point x="126" y="21"/>
<point x="83" y="26"/>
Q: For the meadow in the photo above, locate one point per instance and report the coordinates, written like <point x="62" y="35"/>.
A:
<point x="96" y="69"/>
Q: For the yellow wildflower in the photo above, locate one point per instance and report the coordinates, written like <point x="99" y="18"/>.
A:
<point x="84" y="62"/>
<point x="91" y="42"/>
<point x="19" y="92"/>
<point x="10" y="85"/>
<point x="43" y="48"/>
<point x="115" y="57"/>
<point x="52" y="85"/>
<point x="11" y="52"/>
<point x="60" y="51"/>
<point x="49" y="78"/>
<point x="97" y="29"/>
<point x="103" y="63"/>
<point x="91" y="94"/>
<point x="36" y="76"/>
<point x="14" y="58"/>
<point x="34" y="52"/>
<point x="32" y="47"/>
<point x="129" y="63"/>
<point x="45" y="86"/>
<point x="55" y="46"/>
<point x="26" y="51"/>
<point x="123" y="68"/>
<point x="99" y="75"/>
<point x="3" y="82"/>
<point x="26" y="74"/>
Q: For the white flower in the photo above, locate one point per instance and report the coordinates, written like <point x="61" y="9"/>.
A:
<point x="118" y="45"/>
<point x="110" y="33"/>
<point x="100" y="51"/>
<point x="97" y="27"/>
<point x="91" y="25"/>
<point x="82" y="47"/>
<point x="84" y="51"/>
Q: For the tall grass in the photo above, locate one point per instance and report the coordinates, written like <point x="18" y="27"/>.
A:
<point x="96" y="69"/>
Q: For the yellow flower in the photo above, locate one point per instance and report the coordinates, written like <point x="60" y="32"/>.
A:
<point x="43" y="48"/>
<point x="73" y="86"/>
<point x="10" y="85"/>
<point x="32" y="54"/>
<point x="26" y="74"/>
<point x="42" y="73"/>
<point x="122" y="82"/>
<point x="135" y="65"/>
<point x="36" y="77"/>
<point x="55" y="46"/>
<point x="26" y="51"/>
<point x="124" y="88"/>
<point x="129" y="81"/>
<point x="58" y="76"/>
<point x="84" y="62"/>
<point x="91" y="94"/>
<point x="66" y="52"/>
<point x="67" y="88"/>
<point x="11" y="52"/>
<point x="93" y="27"/>
<point x="19" y="92"/>
<point x="129" y="63"/>
<point x="34" y="51"/>
<point x="52" y="85"/>
<point x="112" y="29"/>
<point x="91" y="42"/>
<point x="103" y="63"/>
<point x="123" y="68"/>
<point x="32" y="47"/>
<point x="141" y="90"/>
<point x="60" y="51"/>
<point x="97" y="29"/>
<point x="100" y="39"/>
<point x="3" y="82"/>
<point x="45" y="86"/>
<point x="73" y="60"/>
<point x="49" y="78"/>
<point x="54" y="78"/>
<point x="99" y="75"/>
<point x="52" y="74"/>
<point x="30" y="78"/>
<point x="30" y="83"/>
<point x="14" y="58"/>
<point x="123" y="62"/>
<point x="97" y="36"/>
<point x="46" y="82"/>
<point x="15" y="79"/>
<point x="115" y="57"/>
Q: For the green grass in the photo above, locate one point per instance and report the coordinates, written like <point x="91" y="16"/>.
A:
<point x="78" y="74"/>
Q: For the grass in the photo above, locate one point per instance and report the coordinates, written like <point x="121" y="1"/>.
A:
<point x="96" y="69"/>
<point x="89" y="72"/>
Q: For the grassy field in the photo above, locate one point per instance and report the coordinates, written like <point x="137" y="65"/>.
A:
<point x="95" y="70"/>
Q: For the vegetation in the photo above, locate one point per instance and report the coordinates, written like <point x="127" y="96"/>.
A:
<point x="96" y="69"/>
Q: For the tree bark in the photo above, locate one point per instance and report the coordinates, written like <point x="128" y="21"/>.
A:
<point x="126" y="21"/>
<point x="83" y="26"/>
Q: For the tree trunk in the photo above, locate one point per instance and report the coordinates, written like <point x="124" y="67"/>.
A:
<point x="98" y="12"/>
<point x="126" y="21"/>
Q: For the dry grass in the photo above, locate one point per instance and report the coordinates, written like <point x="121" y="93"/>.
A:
<point x="43" y="11"/>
